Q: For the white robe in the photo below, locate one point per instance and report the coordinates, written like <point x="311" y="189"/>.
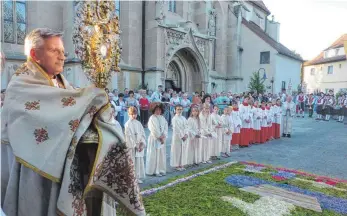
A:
<point x="178" y="147"/>
<point x="228" y="126"/>
<point x="264" y="115"/>
<point x="288" y="112"/>
<point x="195" y="144"/>
<point x="134" y="135"/>
<point x="216" y="145"/>
<point x="257" y="113"/>
<point x="277" y="111"/>
<point x="235" y="115"/>
<point x="270" y="116"/>
<point x="206" y="128"/>
<point x="245" y="114"/>
<point x="156" y="152"/>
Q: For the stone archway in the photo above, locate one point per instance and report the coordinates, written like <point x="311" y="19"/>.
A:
<point x="185" y="71"/>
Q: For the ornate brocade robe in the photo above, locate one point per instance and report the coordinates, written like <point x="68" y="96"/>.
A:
<point x="42" y="126"/>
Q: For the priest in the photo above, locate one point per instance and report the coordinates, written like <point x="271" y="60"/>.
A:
<point x="288" y="112"/>
<point x="42" y="123"/>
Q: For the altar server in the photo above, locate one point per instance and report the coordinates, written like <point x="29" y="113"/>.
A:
<point x="156" y="150"/>
<point x="135" y="139"/>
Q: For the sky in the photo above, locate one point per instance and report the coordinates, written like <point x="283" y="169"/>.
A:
<point x="309" y="26"/>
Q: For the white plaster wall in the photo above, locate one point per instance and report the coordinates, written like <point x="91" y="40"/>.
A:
<point x="252" y="46"/>
<point x="322" y="80"/>
<point x="286" y="69"/>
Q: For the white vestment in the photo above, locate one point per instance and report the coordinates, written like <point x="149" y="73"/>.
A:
<point x="216" y="145"/>
<point x="134" y="135"/>
<point x="288" y="112"/>
<point x="245" y="114"/>
<point x="178" y="146"/>
<point x="257" y="115"/>
<point x="206" y="128"/>
<point x="228" y="126"/>
<point x="237" y="121"/>
<point x="195" y="144"/>
<point x="156" y="152"/>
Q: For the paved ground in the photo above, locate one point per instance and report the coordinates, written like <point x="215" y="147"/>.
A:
<point x="315" y="147"/>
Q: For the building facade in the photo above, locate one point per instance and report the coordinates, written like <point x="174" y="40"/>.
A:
<point x="184" y="45"/>
<point x="328" y="71"/>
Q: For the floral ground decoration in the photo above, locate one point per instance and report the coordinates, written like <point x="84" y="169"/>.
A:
<point x="201" y="193"/>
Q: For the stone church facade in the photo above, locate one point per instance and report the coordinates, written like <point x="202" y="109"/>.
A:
<point x="184" y="45"/>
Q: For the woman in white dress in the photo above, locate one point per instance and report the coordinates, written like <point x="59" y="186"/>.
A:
<point x="195" y="145"/>
<point x="217" y="124"/>
<point x="206" y="132"/>
<point x="180" y="140"/>
<point x="156" y="150"/>
<point x="135" y="138"/>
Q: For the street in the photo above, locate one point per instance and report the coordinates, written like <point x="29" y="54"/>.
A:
<point x="315" y="147"/>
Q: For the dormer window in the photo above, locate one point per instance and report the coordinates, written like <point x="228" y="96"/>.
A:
<point x="337" y="51"/>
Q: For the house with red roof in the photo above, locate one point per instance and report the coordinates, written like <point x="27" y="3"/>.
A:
<point x="328" y="71"/>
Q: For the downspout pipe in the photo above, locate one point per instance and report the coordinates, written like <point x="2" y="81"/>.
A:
<point x="143" y="45"/>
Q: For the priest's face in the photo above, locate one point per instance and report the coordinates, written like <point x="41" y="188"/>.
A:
<point x="50" y="56"/>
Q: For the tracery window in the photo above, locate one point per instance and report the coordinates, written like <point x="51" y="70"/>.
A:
<point x="14" y="21"/>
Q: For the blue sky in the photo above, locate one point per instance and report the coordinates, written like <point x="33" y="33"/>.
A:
<point x="309" y="26"/>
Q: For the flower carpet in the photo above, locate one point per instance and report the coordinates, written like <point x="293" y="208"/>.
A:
<point x="221" y="190"/>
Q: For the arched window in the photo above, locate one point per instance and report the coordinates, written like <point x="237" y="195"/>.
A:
<point x="172" y="6"/>
<point x="14" y="21"/>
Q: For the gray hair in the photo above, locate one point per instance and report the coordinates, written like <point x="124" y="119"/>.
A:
<point x="36" y="37"/>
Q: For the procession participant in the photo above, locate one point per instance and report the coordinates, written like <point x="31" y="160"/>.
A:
<point x="174" y="101"/>
<point x="277" y="119"/>
<point x="228" y="128"/>
<point x="121" y="108"/>
<point x="156" y="96"/>
<point x="342" y="103"/>
<point x="180" y="140"/>
<point x="130" y="102"/>
<point x="186" y="105"/>
<point x="208" y="100"/>
<point x="257" y="115"/>
<point x="156" y="147"/>
<point x="195" y="145"/>
<point x="301" y="103"/>
<point x="270" y="117"/>
<point x="144" y="108"/>
<point x="245" y="115"/>
<point x="252" y="132"/>
<point x="217" y="125"/>
<point x="263" y="131"/>
<point x="288" y="112"/>
<point x="328" y="107"/>
<point x="274" y="112"/>
<point x="206" y="132"/>
<point x="320" y="103"/>
<point x="310" y="103"/>
<point x="235" y="116"/>
<point x="135" y="139"/>
<point x="222" y="101"/>
<point x="344" y="109"/>
<point x="43" y="120"/>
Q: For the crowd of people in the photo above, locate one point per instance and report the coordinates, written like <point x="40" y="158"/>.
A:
<point x="204" y="127"/>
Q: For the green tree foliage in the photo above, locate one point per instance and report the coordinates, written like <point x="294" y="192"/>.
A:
<point x="256" y="84"/>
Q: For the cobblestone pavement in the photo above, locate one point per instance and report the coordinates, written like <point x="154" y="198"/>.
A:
<point x="315" y="147"/>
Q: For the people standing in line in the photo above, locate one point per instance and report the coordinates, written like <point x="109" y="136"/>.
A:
<point x="245" y="115"/>
<point x="311" y="104"/>
<point x="180" y="140"/>
<point x="257" y="115"/>
<point x="156" y="150"/>
<point x="135" y="139"/>
<point x="277" y="119"/>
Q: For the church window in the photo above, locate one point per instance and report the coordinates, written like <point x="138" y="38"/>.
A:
<point x="172" y="6"/>
<point x="14" y="21"/>
<point x="265" y="57"/>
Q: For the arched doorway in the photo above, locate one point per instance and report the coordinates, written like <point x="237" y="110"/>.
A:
<point x="185" y="72"/>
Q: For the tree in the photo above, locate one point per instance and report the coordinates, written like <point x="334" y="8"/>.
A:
<point x="256" y="84"/>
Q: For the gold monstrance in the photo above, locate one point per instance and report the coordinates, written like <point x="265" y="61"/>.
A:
<point x="96" y="37"/>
